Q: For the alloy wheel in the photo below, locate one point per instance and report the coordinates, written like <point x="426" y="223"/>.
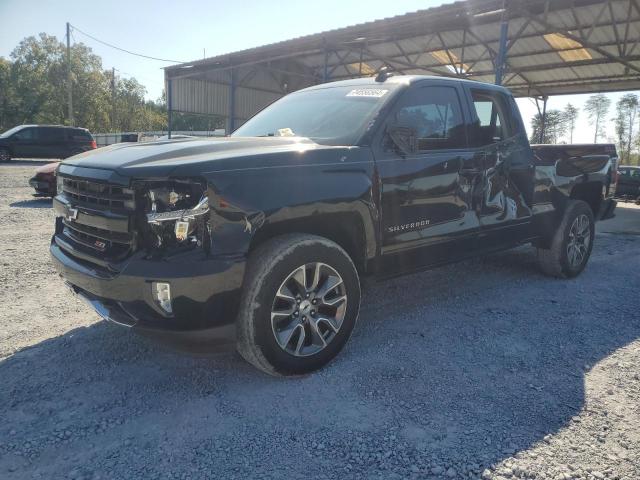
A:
<point x="308" y="309"/>
<point x="579" y="240"/>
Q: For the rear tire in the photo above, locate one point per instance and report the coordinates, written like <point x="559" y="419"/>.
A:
<point x="285" y="328"/>
<point x="571" y="244"/>
<point x="5" y="155"/>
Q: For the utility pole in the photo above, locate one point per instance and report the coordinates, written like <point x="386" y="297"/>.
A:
<point x="113" y="99"/>
<point x="69" y="86"/>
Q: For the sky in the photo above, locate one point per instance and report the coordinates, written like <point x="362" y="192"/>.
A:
<point x="187" y="30"/>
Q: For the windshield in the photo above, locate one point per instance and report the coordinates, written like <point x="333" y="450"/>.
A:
<point x="330" y="116"/>
<point x="11" y="131"/>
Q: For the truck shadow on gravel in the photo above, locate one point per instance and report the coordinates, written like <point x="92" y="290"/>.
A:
<point x="459" y="367"/>
<point x="36" y="202"/>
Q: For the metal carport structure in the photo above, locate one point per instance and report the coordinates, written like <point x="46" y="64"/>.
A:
<point x="537" y="48"/>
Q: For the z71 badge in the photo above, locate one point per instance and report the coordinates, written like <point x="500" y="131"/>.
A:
<point x="408" y="226"/>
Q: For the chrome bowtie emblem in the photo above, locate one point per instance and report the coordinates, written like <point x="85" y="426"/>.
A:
<point x="72" y="213"/>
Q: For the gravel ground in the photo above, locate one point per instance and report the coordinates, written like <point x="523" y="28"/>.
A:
<point x="485" y="369"/>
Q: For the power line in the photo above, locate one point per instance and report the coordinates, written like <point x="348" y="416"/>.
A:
<point x="125" y="50"/>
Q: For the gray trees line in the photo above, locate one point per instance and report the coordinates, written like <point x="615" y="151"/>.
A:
<point x="33" y="90"/>
<point x="560" y="125"/>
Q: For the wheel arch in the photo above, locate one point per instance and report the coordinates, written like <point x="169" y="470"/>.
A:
<point x="346" y="229"/>
<point x="590" y="193"/>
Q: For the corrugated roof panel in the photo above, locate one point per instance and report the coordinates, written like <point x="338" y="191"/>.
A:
<point x="299" y="62"/>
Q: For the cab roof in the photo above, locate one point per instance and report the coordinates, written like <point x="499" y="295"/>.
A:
<point x="404" y="80"/>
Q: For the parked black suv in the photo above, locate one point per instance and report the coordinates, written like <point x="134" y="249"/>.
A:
<point x="628" y="185"/>
<point x="44" y="141"/>
<point x="262" y="238"/>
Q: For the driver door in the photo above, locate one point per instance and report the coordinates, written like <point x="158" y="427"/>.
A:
<point x="425" y="202"/>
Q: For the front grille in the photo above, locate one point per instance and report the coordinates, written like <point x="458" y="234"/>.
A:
<point x="101" y="225"/>
<point x="101" y="195"/>
<point x="103" y="241"/>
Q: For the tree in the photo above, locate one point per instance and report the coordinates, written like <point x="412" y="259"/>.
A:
<point x="7" y="95"/>
<point x="570" y="116"/>
<point x="554" y="127"/>
<point x="625" y="120"/>
<point x="33" y="89"/>
<point x="597" y="107"/>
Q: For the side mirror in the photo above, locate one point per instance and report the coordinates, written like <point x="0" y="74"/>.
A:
<point x="404" y="138"/>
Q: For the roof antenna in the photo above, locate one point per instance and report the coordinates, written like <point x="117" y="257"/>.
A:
<point x="383" y="74"/>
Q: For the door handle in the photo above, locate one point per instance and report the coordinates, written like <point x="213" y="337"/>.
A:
<point x="470" y="171"/>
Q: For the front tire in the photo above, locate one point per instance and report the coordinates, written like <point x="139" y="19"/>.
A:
<point x="300" y="303"/>
<point x="571" y="244"/>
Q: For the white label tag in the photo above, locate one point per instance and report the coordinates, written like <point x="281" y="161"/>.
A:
<point x="367" y="92"/>
<point x="182" y="230"/>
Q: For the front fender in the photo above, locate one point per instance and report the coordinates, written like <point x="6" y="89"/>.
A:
<point x="254" y="203"/>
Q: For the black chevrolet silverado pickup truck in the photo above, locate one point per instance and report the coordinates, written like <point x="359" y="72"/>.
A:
<point x="261" y="239"/>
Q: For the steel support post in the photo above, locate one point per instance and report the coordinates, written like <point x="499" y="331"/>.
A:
<point x="502" y="51"/>
<point x="169" y="107"/>
<point x="231" y="124"/>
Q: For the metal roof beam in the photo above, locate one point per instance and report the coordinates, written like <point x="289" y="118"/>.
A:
<point x="444" y="47"/>
<point x="407" y="65"/>
<point x="506" y="65"/>
<point x="600" y="79"/>
<point x="615" y="29"/>
<point x="473" y="62"/>
<point x="554" y="28"/>
<point x="626" y="29"/>
<point x="516" y="37"/>
<point x="595" y="22"/>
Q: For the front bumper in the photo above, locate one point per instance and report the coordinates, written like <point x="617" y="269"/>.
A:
<point x="205" y="291"/>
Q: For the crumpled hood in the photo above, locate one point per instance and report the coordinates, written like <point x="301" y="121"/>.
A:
<point x="196" y="156"/>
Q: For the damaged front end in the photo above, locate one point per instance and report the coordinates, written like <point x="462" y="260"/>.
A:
<point x="173" y="216"/>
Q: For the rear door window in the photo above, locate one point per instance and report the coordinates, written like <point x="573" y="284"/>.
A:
<point x="494" y="123"/>
<point x="50" y="134"/>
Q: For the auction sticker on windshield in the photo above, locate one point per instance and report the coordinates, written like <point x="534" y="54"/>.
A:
<point x="367" y="92"/>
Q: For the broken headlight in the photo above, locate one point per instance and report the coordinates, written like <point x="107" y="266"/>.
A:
<point x="177" y="214"/>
